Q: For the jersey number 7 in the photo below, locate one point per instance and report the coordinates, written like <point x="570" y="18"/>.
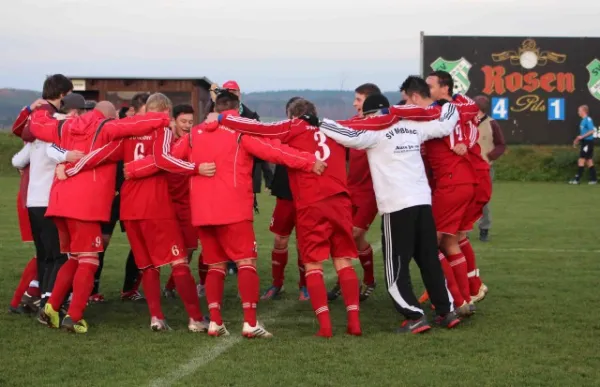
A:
<point x="323" y="152"/>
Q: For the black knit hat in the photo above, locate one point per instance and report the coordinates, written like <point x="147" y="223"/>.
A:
<point x="375" y="102"/>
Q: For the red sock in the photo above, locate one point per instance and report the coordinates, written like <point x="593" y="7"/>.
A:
<point x="459" y="267"/>
<point x="186" y="287"/>
<point x="248" y="285"/>
<point x="366" y="261"/>
<point x="202" y="270"/>
<point x="451" y="281"/>
<point x="151" y="283"/>
<point x="215" y="283"/>
<point x="472" y="271"/>
<point x="301" y="273"/>
<point x="170" y="283"/>
<point x="29" y="274"/>
<point x="83" y="284"/>
<point x="350" y="293"/>
<point x="63" y="283"/>
<point x="318" y="298"/>
<point x="279" y="259"/>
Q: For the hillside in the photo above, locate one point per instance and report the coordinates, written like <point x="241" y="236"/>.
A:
<point x="335" y="104"/>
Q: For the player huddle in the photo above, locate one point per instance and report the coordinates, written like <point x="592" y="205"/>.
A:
<point x="418" y="164"/>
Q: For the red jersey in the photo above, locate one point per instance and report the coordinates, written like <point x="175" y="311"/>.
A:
<point x="307" y="188"/>
<point x="360" y="184"/>
<point x="88" y="196"/>
<point x="148" y="197"/>
<point x="226" y="197"/>
<point x="179" y="187"/>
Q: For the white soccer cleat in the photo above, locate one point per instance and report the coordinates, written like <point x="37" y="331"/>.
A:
<point x="201" y="291"/>
<point x="158" y="325"/>
<point x="217" y="330"/>
<point x="258" y="331"/>
<point x="481" y="294"/>
<point x="197" y="326"/>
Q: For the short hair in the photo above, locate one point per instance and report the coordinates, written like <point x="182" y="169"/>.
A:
<point x="123" y="111"/>
<point x="182" y="109"/>
<point x="444" y="79"/>
<point x="139" y="100"/>
<point x="55" y="86"/>
<point x="226" y="100"/>
<point x="367" y="89"/>
<point x="158" y="102"/>
<point x="415" y="84"/>
<point x="585" y="108"/>
<point x="302" y="106"/>
<point x="288" y="103"/>
<point x="483" y="103"/>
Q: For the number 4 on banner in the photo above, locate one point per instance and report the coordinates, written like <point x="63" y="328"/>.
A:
<point x="500" y="108"/>
<point x="556" y="109"/>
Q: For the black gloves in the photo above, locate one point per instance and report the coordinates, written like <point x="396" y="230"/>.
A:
<point x="310" y="119"/>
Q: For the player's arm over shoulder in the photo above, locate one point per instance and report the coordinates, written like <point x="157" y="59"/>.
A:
<point x="357" y="139"/>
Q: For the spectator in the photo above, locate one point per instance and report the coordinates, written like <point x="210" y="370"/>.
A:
<point x="586" y="152"/>
<point x="491" y="141"/>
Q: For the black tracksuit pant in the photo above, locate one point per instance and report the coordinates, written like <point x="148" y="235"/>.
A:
<point x="47" y="248"/>
<point x="406" y="234"/>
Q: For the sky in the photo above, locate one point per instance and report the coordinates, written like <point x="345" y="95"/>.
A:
<point x="262" y="44"/>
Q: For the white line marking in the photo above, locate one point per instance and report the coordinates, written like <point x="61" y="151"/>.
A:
<point x="536" y="250"/>
<point x="203" y="356"/>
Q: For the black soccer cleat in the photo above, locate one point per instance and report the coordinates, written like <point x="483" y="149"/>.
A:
<point x="417" y="326"/>
<point x="449" y="320"/>
<point x="484" y="235"/>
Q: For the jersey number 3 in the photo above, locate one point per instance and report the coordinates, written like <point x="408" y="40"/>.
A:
<point x="323" y="152"/>
<point x="138" y="151"/>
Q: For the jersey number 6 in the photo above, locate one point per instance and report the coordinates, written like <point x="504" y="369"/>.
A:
<point x="138" y="151"/>
<point x="324" y="152"/>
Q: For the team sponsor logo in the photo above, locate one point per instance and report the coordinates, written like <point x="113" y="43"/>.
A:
<point x="459" y="69"/>
<point x="499" y="80"/>
<point x="594" y="83"/>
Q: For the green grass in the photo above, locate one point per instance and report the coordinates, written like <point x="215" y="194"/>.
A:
<point x="538" y="327"/>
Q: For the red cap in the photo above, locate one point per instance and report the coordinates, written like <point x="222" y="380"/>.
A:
<point x="231" y="85"/>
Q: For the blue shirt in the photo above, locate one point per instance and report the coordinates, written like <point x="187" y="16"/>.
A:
<point x="585" y="126"/>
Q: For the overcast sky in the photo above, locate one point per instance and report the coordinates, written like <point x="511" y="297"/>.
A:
<point x="263" y="44"/>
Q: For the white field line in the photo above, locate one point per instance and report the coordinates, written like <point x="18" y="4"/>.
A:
<point x="203" y="356"/>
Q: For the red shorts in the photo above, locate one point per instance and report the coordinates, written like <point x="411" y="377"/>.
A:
<point x="324" y="229"/>
<point x="483" y="194"/>
<point x="79" y="236"/>
<point x="284" y="218"/>
<point x="155" y="242"/>
<point x="364" y="211"/>
<point x="24" y="224"/>
<point x="450" y="206"/>
<point x="226" y="242"/>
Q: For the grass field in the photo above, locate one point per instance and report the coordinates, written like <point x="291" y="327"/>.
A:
<point x="539" y="325"/>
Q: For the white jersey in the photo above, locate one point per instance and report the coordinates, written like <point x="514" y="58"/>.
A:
<point x="42" y="158"/>
<point x="394" y="154"/>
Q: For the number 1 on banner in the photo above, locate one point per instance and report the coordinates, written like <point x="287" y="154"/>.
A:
<point x="556" y="109"/>
<point x="500" y="108"/>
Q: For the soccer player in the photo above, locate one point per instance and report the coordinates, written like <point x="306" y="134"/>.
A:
<point x="221" y="202"/>
<point x="150" y="221"/>
<point x="55" y="88"/>
<point x="283" y="222"/>
<point x="404" y="199"/>
<point x="441" y="85"/>
<point x="586" y="152"/>
<point x="323" y="211"/>
<point x="179" y="191"/>
<point x="364" y="205"/>
<point x="80" y="204"/>
<point x="493" y="146"/>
